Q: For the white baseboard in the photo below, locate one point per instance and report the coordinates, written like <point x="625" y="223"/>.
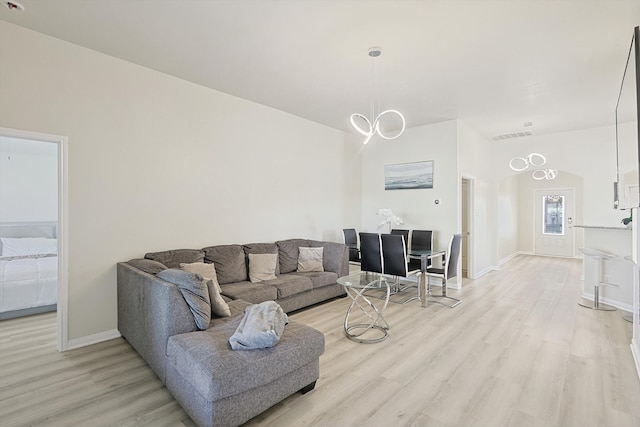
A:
<point x="509" y="258"/>
<point x="635" y="351"/>
<point x="92" y="339"/>
<point x="614" y="303"/>
<point x="485" y="271"/>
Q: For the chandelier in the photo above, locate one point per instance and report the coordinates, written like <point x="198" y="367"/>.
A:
<point x="371" y="126"/>
<point x="536" y="160"/>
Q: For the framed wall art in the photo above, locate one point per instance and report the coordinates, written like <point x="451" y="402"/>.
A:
<point x="407" y="176"/>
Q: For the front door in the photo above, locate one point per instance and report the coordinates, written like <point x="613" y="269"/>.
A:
<point x="553" y="234"/>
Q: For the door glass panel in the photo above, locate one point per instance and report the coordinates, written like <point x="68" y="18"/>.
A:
<point x="553" y="215"/>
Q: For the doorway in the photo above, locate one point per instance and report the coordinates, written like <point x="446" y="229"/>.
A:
<point x="466" y="205"/>
<point x="553" y="214"/>
<point x="60" y="222"/>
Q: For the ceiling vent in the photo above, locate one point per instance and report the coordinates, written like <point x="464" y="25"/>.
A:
<point x="512" y="135"/>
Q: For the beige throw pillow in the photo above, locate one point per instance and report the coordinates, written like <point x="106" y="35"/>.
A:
<point x="262" y="267"/>
<point x="310" y="259"/>
<point x="219" y="306"/>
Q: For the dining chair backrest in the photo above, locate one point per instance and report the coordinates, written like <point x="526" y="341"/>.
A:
<point x="453" y="256"/>
<point x="351" y="240"/>
<point x="421" y="239"/>
<point x="370" y="252"/>
<point x="404" y="233"/>
<point x="394" y="255"/>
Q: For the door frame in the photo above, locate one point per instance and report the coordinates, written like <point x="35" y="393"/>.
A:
<point x="573" y="209"/>
<point x="469" y="205"/>
<point x="62" y="318"/>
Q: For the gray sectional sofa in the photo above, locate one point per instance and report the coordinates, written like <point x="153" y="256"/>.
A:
<point x="216" y="385"/>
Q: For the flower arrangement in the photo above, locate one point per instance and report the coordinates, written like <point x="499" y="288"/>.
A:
<point x="389" y="220"/>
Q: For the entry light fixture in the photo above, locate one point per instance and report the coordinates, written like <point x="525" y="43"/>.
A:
<point x="371" y="126"/>
<point x="535" y="160"/>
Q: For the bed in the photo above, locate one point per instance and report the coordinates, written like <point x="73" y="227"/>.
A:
<point x="28" y="268"/>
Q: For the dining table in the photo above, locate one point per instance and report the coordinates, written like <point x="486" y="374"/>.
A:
<point x="425" y="255"/>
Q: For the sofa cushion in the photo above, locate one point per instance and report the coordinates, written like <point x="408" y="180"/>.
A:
<point x="207" y="270"/>
<point x="254" y="293"/>
<point x="229" y="261"/>
<point x="174" y="257"/>
<point x="289" y="284"/>
<point x="194" y="291"/>
<point x="205" y="359"/>
<point x="288" y="254"/>
<point x="262" y="267"/>
<point x="147" y="265"/>
<point x="309" y="259"/>
<point x="261" y="248"/>
<point x="319" y="279"/>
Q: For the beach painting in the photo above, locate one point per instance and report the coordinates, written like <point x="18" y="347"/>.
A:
<point x="407" y="176"/>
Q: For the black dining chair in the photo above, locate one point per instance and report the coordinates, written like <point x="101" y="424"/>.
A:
<point x="395" y="263"/>
<point x="404" y="233"/>
<point x="449" y="271"/>
<point x="351" y="240"/>
<point x="371" y="252"/>
<point x="420" y="240"/>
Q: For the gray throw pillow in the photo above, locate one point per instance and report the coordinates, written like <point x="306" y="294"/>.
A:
<point x="194" y="291"/>
<point x="288" y="254"/>
<point x="229" y="261"/>
<point x="147" y="265"/>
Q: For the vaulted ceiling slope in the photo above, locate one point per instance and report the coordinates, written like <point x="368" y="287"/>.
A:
<point x="493" y="64"/>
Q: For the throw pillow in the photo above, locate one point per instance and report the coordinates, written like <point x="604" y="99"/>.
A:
<point x="310" y="259"/>
<point x="219" y="306"/>
<point x="229" y="261"/>
<point x="262" y="267"/>
<point x="194" y="291"/>
<point x="288" y="254"/>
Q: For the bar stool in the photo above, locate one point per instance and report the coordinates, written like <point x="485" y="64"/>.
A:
<point x="599" y="257"/>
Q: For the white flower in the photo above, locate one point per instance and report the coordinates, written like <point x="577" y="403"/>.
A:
<point x="389" y="218"/>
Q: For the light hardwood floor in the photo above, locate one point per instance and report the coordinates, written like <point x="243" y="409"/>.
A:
<point x="518" y="352"/>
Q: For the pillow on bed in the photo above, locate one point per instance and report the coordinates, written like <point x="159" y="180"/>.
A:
<point x="12" y="246"/>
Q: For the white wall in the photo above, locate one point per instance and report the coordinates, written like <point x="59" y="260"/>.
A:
<point x="507" y="219"/>
<point x="158" y="163"/>
<point x="28" y="180"/>
<point x="476" y="162"/>
<point x="436" y="142"/>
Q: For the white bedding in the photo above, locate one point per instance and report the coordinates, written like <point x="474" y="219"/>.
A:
<point x="28" y="281"/>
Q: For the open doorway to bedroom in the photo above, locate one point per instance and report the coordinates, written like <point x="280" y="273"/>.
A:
<point x="32" y="261"/>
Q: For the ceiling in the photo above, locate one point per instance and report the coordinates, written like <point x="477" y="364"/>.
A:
<point x="492" y="64"/>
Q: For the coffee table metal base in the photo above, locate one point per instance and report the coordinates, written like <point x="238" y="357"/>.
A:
<point x="356" y="332"/>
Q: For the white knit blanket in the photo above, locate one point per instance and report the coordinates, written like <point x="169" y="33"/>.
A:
<point x="261" y="327"/>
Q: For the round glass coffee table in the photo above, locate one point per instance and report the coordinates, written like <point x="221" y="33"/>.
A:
<point x="374" y="327"/>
